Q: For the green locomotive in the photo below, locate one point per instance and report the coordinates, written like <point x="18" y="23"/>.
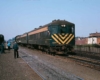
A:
<point x="59" y="35"/>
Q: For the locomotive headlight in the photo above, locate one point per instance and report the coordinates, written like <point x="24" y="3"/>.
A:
<point x="19" y="41"/>
<point x="63" y="25"/>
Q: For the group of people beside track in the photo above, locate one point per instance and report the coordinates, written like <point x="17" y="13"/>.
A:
<point x="15" y="47"/>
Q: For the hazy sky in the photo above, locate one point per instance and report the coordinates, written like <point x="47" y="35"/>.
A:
<point x="20" y="16"/>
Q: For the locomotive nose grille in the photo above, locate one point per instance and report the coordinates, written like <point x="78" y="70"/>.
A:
<point x="62" y="38"/>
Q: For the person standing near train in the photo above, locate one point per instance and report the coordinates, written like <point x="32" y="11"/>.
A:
<point x="2" y="43"/>
<point x="8" y="44"/>
<point x="15" y="47"/>
<point x="2" y="48"/>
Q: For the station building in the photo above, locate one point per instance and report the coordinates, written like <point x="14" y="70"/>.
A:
<point x="94" y="38"/>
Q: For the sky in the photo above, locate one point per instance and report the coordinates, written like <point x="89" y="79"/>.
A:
<point x="20" y="16"/>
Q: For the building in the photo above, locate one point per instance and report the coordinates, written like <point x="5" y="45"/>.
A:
<point x="94" y="38"/>
<point x="81" y="41"/>
<point x="94" y="34"/>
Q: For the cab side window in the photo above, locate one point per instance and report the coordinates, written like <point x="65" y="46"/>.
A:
<point x="54" y="30"/>
<point x="71" y="29"/>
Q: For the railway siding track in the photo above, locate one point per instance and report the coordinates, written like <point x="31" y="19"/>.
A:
<point x="92" y="55"/>
<point x="92" y="63"/>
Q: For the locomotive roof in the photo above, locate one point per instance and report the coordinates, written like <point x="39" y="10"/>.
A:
<point x="59" y="22"/>
<point x="55" y="22"/>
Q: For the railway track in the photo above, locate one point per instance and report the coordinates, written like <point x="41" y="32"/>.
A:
<point x="84" y="61"/>
<point x="92" y="55"/>
<point x="92" y="63"/>
<point x="87" y="61"/>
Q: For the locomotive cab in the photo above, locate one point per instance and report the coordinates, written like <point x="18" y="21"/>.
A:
<point x="62" y="37"/>
<point x="66" y="29"/>
<point x="69" y="32"/>
<point x="62" y="34"/>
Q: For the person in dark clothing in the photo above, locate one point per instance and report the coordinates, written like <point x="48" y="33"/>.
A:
<point x="15" y="47"/>
<point x="2" y="48"/>
<point x="8" y="46"/>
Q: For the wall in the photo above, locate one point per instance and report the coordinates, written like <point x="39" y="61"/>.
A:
<point x="92" y="40"/>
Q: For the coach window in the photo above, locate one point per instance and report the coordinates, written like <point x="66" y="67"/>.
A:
<point x="24" y="38"/>
<point x="30" y="36"/>
<point x="46" y="33"/>
<point x="34" y="36"/>
<point x="38" y="35"/>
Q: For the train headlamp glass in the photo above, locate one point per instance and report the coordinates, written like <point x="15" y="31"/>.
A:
<point x="63" y="25"/>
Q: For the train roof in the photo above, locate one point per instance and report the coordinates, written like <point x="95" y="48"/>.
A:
<point x="59" y="22"/>
<point x="55" y="22"/>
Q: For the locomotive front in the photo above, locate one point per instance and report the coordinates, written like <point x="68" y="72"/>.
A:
<point x="63" y="36"/>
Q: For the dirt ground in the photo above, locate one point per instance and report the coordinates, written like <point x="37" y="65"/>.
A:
<point x="65" y="65"/>
<point x="15" y="69"/>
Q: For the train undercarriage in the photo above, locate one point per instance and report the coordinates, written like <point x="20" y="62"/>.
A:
<point x="53" y="50"/>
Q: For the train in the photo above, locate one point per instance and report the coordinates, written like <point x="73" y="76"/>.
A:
<point x="56" y="36"/>
<point x="3" y="42"/>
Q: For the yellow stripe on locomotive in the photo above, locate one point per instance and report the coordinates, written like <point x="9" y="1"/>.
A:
<point x="62" y="39"/>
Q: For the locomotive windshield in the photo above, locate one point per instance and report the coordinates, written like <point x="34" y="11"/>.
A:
<point x="63" y="30"/>
<point x="54" y="29"/>
<point x="67" y="29"/>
